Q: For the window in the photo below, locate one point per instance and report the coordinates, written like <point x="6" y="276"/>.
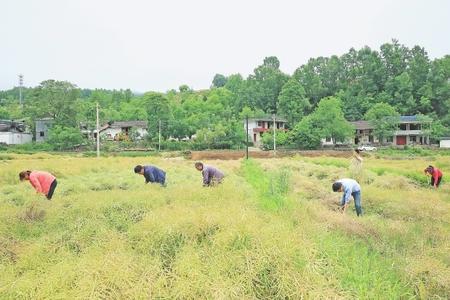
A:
<point x="41" y="133"/>
<point x="402" y="126"/>
<point x="370" y="138"/>
<point x="414" y="126"/>
<point x="260" y="124"/>
<point x="413" y="138"/>
<point x="390" y="139"/>
<point x="328" y="139"/>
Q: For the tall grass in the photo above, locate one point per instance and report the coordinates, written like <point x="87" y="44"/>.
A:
<point x="271" y="186"/>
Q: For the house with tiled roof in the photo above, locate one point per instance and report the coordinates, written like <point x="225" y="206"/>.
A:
<point x="411" y="131"/>
<point x="121" y="129"/>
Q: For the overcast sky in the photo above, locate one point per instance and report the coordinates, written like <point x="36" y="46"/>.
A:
<point x="159" y="45"/>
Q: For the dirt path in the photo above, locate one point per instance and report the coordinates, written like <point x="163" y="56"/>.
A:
<point x="230" y="154"/>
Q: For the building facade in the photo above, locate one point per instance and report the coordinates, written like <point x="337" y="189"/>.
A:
<point x="14" y="133"/>
<point x="444" y="142"/>
<point x="411" y="131"/>
<point x="257" y="127"/>
<point x="122" y="129"/>
<point x="42" y="129"/>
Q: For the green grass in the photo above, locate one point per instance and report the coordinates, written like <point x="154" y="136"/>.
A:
<point x="270" y="231"/>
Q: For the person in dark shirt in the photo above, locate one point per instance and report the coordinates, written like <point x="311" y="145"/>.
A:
<point x="152" y="174"/>
<point x="211" y="175"/>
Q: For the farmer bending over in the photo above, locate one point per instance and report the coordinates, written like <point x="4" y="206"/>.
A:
<point x="211" y="175"/>
<point x="436" y="176"/>
<point x="350" y="188"/>
<point x="152" y="174"/>
<point x="43" y="182"/>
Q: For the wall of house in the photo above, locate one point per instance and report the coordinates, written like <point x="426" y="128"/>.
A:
<point x="444" y="144"/>
<point x="407" y="136"/>
<point x="255" y="137"/>
<point x="110" y="133"/>
<point x="15" y="138"/>
<point x="42" y="128"/>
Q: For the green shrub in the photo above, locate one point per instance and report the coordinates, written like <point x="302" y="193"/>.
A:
<point x="64" y="138"/>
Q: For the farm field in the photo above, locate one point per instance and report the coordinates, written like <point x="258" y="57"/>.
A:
<point x="271" y="231"/>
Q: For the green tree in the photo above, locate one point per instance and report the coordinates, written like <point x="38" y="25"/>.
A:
<point x="4" y="113"/>
<point x="400" y="88"/>
<point x="157" y="107"/>
<point x="184" y="88"/>
<point x="329" y="118"/>
<point x="293" y="103"/>
<point x="264" y="86"/>
<point x="281" y="137"/>
<point x="384" y="118"/>
<point x="438" y="80"/>
<point x="305" y="134"/>
<point x="56" y="99"/>
<point x="219" y="81"/>
<point x="64" y="138"/>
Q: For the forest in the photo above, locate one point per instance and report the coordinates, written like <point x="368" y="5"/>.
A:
<point x="318" y="100"/>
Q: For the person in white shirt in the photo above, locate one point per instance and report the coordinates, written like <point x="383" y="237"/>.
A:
<point x="350" y="188"/>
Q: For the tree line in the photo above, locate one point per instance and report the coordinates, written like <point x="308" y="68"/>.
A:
<point x="318" y="99"/>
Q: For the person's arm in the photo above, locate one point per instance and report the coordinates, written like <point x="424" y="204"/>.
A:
<point x="206" y="177"/>
<point x="149" y="176"/>
<point x="346" y="199"/>
<point x="35" y="183"/>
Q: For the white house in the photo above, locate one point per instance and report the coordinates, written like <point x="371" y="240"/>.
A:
<point x="257" y="126"/>
<point x="444" y="142"/>
<point x="14" y="133"/>
<point x="113" y="131"/>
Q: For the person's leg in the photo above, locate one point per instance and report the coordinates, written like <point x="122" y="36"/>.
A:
<point x="439" y="181"/>
<point x="357" y="199"/>
<point x="432" y="181"/>
<point x="52" y="189"/>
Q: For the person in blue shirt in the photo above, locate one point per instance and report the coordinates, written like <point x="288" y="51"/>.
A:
<point x="152" y="174"/>
<point x="350" y="188"/>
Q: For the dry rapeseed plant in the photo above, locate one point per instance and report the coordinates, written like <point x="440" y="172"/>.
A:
<point x="271" y="231"/>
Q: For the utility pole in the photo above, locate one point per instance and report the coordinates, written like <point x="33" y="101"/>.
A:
<point x="274" y="136"/>
<point x="246" y="121"/>
<point x="159" y="136"/>
<point x="98" y="135"/>
<point x="20" y="89"/>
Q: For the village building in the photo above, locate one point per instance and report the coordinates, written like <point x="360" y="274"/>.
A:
<point x="444" y="142"/>
<point x="14" y="133"/>
<point x="411" y="131"/>
<point x="257" y="127"/>
<point x="42" y="129"/>
<point x="118" y="130"/>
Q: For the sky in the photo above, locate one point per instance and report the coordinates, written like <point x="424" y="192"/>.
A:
<point x="159" y="45"/>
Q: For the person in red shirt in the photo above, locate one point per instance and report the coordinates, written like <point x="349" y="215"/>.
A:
<point x="43" y="182"/>
<point x="436" y="176"/>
